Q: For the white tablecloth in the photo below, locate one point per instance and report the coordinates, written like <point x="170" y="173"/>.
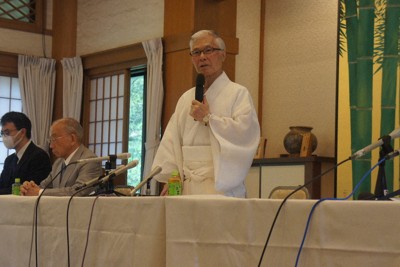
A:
<point x="124" y="231"/>
<point x="199" y="231"/>
<point x="232" y="232"/>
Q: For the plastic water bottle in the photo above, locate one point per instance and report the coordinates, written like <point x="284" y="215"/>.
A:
<point x="15" y="188"/>
<point x="174" y="184"/>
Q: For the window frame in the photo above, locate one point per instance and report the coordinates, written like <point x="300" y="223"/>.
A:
<point x="124" y="110"/>
<point x="8" y="65"/>
<point x="137" y="71"/>
<point x="109" y="62"/>
<point x="36" y="27"/>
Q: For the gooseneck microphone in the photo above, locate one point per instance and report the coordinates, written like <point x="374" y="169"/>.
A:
<point x="104" y="179"/>
<point x="392" y="155"/>
<point x="153" y="173"/>
<point x="118" y="156"/>
<point x="200" y="80"/>
<point x="393" y="135"/>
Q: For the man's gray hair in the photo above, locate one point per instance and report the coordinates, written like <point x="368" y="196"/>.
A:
<point x="72" y="126"/>
<point x="200" y="34"/>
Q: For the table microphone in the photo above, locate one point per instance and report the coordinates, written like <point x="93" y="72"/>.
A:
<point x="102" y="179"/>
<point x="109" y="157"/>
<point x="393" y="135"/>
<point x="153" y="173"/>
<point x="392" y="154"/>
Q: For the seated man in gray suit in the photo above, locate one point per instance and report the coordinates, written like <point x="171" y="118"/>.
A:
<point x="66" y="144"/>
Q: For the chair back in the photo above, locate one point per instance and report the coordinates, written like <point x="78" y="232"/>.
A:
<point x="280" y="192"/>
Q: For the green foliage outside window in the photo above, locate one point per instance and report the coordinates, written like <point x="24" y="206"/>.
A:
<point x="136" y="126"/>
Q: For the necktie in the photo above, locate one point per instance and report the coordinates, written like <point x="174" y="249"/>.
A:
<point x="62" y="171"/>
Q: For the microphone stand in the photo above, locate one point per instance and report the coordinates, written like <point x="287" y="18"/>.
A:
<point x="148" y="188"/>
<point x="108" y="187"/>
<point x="381" y="190"/>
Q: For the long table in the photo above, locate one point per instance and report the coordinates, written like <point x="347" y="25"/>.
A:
<point x="232" y="232"/>
<point x="123" y="231"/>
<point x="199" y="231"/>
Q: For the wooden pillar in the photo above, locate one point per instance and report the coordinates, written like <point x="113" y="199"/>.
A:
<point x="181" y="20"/>
<point x="63" y="45"/>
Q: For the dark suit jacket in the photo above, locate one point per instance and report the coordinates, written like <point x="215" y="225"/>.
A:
<point x="73" y="175"/>
<point x="34" y="165"/>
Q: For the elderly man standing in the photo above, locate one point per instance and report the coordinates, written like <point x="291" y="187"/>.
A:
<point x="212" y="143"/>
<point x="66" y="144"/>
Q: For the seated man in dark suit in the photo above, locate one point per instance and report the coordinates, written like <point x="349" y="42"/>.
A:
<point x="29" y="162"/>
<point x="66" y="137"/>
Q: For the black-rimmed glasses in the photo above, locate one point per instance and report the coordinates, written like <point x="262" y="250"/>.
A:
<point x="205" y="51"/>
<point x="53" y="139"/>
<point x="7" y="132"/>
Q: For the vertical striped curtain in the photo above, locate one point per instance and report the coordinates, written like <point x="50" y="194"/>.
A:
<point x="72" y="87"/>
<point x="155" y="94"/>
<point x="372" y="31"/>
<point x="37" y="82"/>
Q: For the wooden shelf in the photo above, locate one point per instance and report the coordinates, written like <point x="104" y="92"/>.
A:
<point x="267" y="173"/>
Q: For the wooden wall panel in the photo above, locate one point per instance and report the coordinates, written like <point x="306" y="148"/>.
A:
<point x="64" y="44"/>
<point x="181" y="20"/>
<point x="219" y="16"/>
<point x="180" y="72"/>
<point x="179" y="17"/>
<point x="8" y="64"/>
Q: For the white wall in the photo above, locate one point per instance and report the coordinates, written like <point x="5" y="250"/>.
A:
<point x="110" y="24"/>
<point x="300" y="72"/>
<point x="248" y="32"/>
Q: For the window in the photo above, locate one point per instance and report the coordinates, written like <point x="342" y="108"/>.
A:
<point x="113" y="109"/>
<point x="106" y="115"/>
<point x="137" y="123"/>
<point x="108" y="127"/>
<point x="10" y="100"/>
<point x="18" y="10"/>
<point x="23" y="15"/>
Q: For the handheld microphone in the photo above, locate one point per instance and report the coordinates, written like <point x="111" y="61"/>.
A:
<point x="393" y="135"/>
<point x="118" y="156"/>
<point x="200" y="80"/>
<point x="153" y="173"/>
<point x="103" y="179"/>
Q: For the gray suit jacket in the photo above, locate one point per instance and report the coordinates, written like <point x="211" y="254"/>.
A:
<point x="73" y="175"/>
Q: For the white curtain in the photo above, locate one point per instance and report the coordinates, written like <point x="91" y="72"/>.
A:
<point x="72" y="87"/>
<point x="37" y="78"/>
<point x="155" y="94"/>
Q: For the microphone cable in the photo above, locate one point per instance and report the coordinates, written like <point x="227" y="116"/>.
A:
<point x="35" y="221"/>
<point x="85" y="187"/>
<point x="32" y="236"/>
<point x="111" y="176"/>
<point x="88" y="230"/>
<point x="287" y="197"/>
<point x="323" y="199"/>
<point x="90" y="221"/>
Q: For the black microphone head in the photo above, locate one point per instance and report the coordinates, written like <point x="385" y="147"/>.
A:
<point x="366" y="196"/>
<point x="200" y="80"/>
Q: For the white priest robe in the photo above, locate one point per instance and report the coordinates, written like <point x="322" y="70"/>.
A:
<point x="216" y="158"/>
